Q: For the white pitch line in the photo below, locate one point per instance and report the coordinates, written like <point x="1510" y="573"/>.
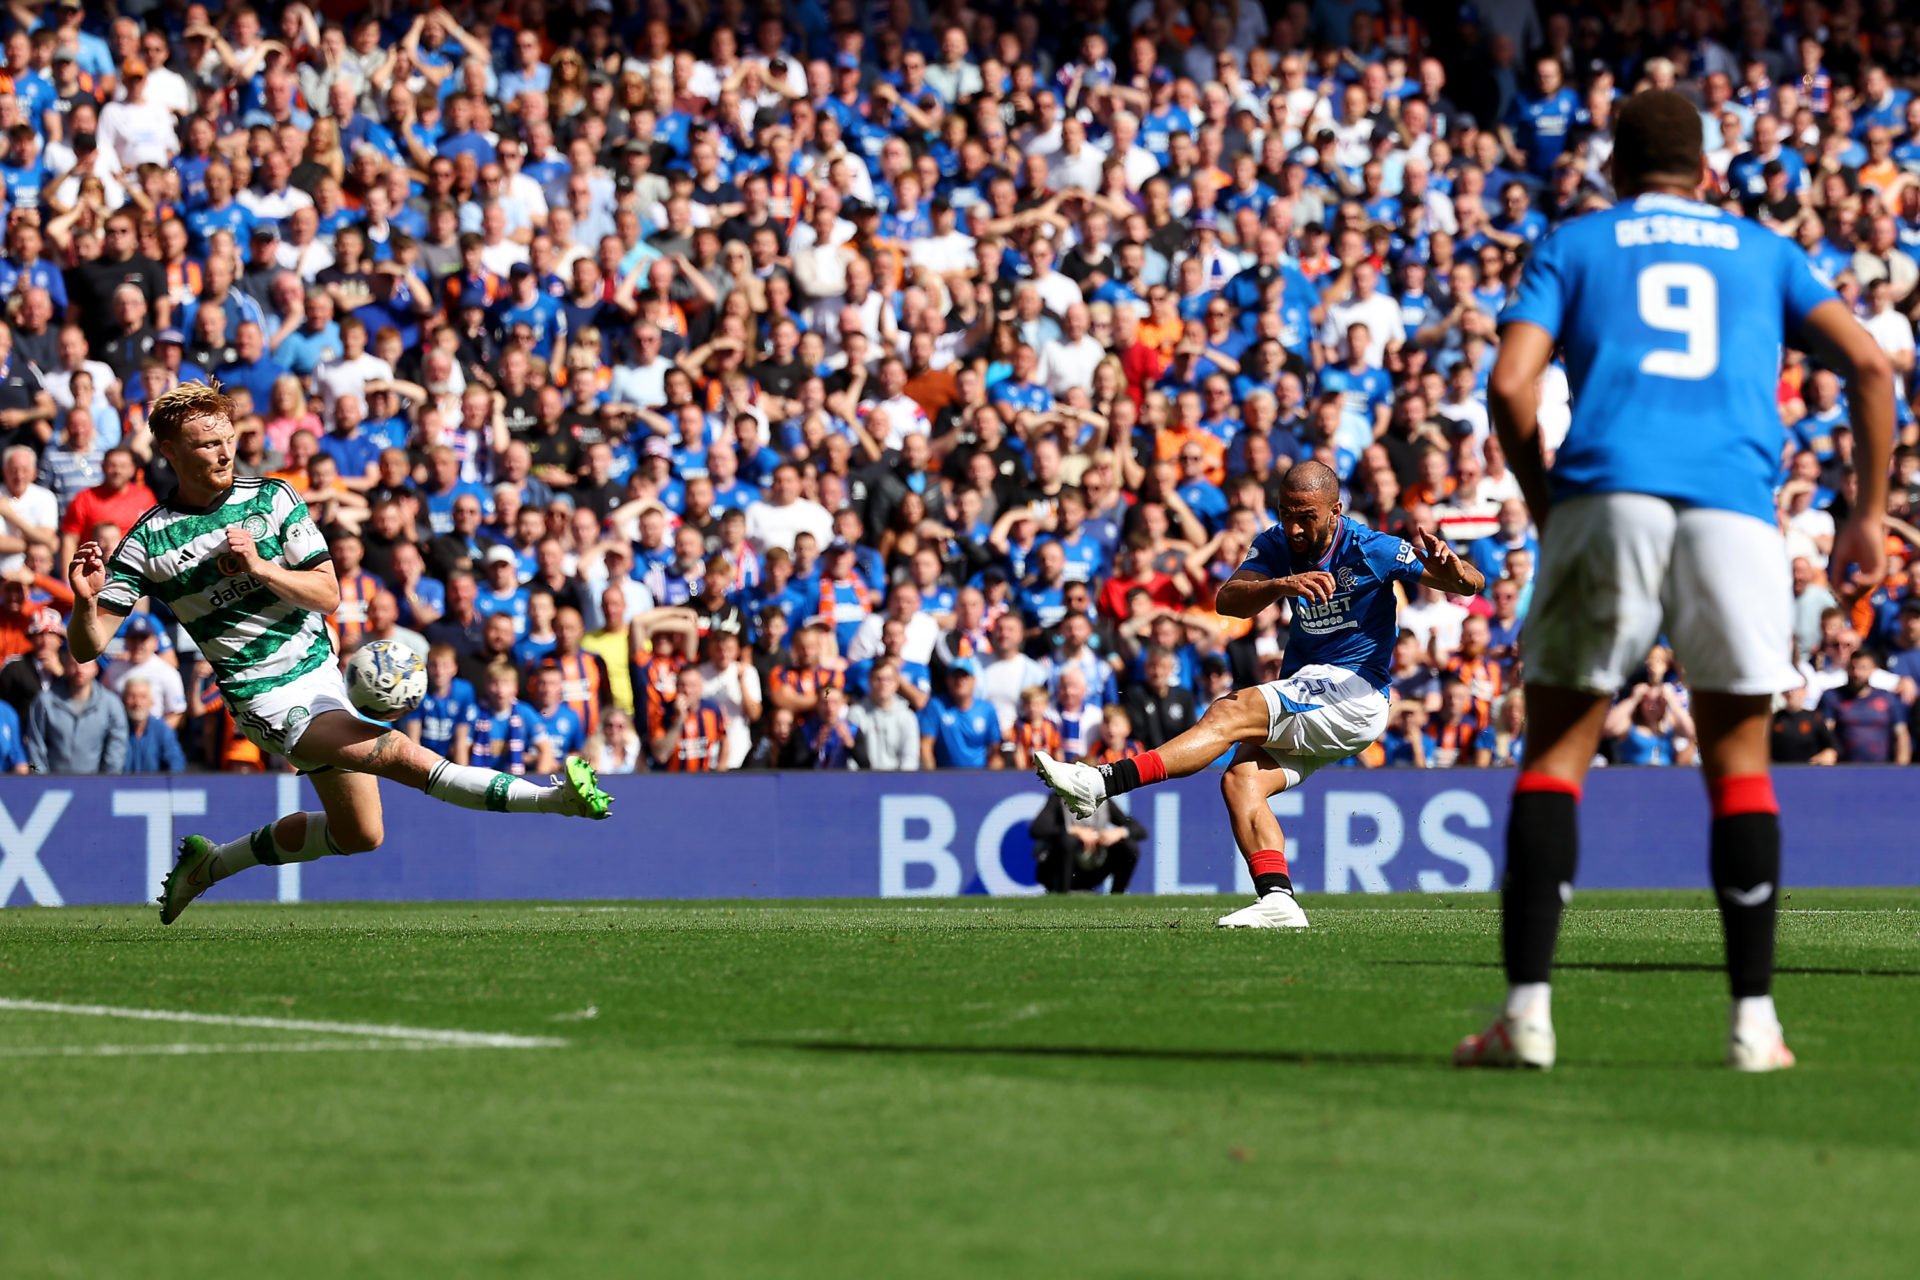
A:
<point x="451" y="1039"/>
<point x="187" y="1048"/>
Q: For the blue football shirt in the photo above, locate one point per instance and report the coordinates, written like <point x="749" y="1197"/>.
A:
<point x="1356" y="629"/>
<point x="1672" y="316"/>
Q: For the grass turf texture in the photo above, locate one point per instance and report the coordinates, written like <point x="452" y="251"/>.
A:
<point x="1094" y="1087"/>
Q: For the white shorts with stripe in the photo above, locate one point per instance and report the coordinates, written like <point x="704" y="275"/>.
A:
<point x="1616" y="569"/>
<point x="1319" y="715"/>
<point x="275" y="720"/>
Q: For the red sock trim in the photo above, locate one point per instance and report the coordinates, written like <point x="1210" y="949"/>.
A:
<point x="1267" y="862"/>
<point x="1530" y="781"/>
<point x="1748" y="793"/>
<point x="1152" y="768"/>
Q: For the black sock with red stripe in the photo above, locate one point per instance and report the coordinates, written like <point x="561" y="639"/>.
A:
<point x="1269" y="868"/>
<point x="1123" y="776"/>
<point x="1744" y="857"/>
<point x="1543" y="852"/>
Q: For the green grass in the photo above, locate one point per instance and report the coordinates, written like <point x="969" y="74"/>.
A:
<point x="1101" y="1087"/>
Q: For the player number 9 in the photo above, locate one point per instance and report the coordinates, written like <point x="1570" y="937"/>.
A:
<point x="1695" y="317"/>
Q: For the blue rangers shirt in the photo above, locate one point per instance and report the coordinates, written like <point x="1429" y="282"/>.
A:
<point x="1672" y="315"/>
<point x="439" y="715"/>
<point x="1356" y="628"/>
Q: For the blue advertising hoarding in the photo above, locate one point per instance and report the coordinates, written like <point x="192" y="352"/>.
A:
<point x="802" y="835"/>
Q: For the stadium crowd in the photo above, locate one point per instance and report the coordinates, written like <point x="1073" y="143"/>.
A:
<point x="887" y="385"/>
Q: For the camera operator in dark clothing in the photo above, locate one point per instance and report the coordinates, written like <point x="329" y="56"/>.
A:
<point x="1081" y="852"/>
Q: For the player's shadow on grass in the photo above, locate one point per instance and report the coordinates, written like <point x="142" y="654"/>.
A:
<point x="1661" y="966"/>
<point x="1117" y="1053"/>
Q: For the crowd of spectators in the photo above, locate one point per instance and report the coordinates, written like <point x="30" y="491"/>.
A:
<point x="886" y="385"/>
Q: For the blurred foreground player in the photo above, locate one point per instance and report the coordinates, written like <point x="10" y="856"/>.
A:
<point x="1330" y="701"/>
<point x="1659" y="516"/>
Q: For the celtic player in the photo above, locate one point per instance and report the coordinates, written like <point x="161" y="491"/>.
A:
<point x="243" y="567"/>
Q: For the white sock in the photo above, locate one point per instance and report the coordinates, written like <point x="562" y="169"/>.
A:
<point x="1755" y="1013"/>
<point x="474" y="788"/>
<point x="1530" y="999"/>
<point x="316" y="843"/>
<point x="237" y="855"/>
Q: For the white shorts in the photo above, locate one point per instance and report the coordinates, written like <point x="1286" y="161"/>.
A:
<point x="275" y="720"/>
<point x="1321" y="714"/>
<point x="1618" y="568"/>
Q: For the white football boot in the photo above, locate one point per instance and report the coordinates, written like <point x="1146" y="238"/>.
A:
<point x="1276" y="910"/>
<point x="1510" y="1042"/>
<point x="1079" y="786"/>
<point x="1758" y="1048"/>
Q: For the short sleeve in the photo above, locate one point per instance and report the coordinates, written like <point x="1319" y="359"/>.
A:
<point x="302" y="546"/>
<point x="1268" y="557"/>
<point x="126" y="577"/>
<point x="929" y="721"/>
<point x="1541" y="298"/>
<point x="1800" y="291"/>
<point x="1394" y="559"/>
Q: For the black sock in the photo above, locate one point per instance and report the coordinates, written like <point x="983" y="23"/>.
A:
<point x="1745" y="861"/>
<point x="1268" y="882"/>
<point x="1121" y="776"/>
<point x="1543" y="851"/>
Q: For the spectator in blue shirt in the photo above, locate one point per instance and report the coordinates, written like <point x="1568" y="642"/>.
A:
<point x="13" y="747"/>
<point x="1536" y="128"/>
<point x="152" y="745"/>
<point x="956" y="732"/>
<point x="553" y="727"/>
<point x="252" y="370"/>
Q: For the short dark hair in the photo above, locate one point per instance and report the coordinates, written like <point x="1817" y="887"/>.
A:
<point x="1656" y="136"/>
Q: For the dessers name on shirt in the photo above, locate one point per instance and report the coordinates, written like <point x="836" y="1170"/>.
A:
<point x="1664" y="228"/>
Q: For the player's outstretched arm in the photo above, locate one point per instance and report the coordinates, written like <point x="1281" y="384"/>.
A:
<point x="1513" y="400"/>
<point x="1445" y="570"/>
<point x="1858" y="560"/>
<point x="92" y="626"/>
<point x="1246" y="593"/>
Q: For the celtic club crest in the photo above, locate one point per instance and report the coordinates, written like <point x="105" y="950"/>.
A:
<point x="255" y="525"/>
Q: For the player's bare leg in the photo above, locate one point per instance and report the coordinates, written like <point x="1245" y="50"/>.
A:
<point x="358" y="755"/>
<point x="1248" y="786"/>
<point x="1238" y="719"/>
<point x="1744" y="859"/>
<point x="1543" y="855"/>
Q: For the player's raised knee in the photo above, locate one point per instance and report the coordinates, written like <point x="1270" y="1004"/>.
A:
<point x="1239" y="715"/>
<point x="359" y="834"/>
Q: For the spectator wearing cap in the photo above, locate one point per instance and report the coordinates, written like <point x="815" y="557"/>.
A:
<point x="75" y="726"/>
<point x="170" y="350"/>
<point x="134" y="128"/>
<point x="956" y="730"/>
<point x="29" y="513"/>
<point x="502" y="592"/>
<point x="152" y="744"/>
<point x="140" y="659"/>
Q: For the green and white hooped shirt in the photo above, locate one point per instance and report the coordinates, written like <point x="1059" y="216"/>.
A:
<point x="255" y="640"/>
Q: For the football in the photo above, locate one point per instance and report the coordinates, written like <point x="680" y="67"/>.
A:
<point x="385" y="679"/>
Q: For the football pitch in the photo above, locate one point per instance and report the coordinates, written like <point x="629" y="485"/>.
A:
<point x="1095" y="1087"/>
